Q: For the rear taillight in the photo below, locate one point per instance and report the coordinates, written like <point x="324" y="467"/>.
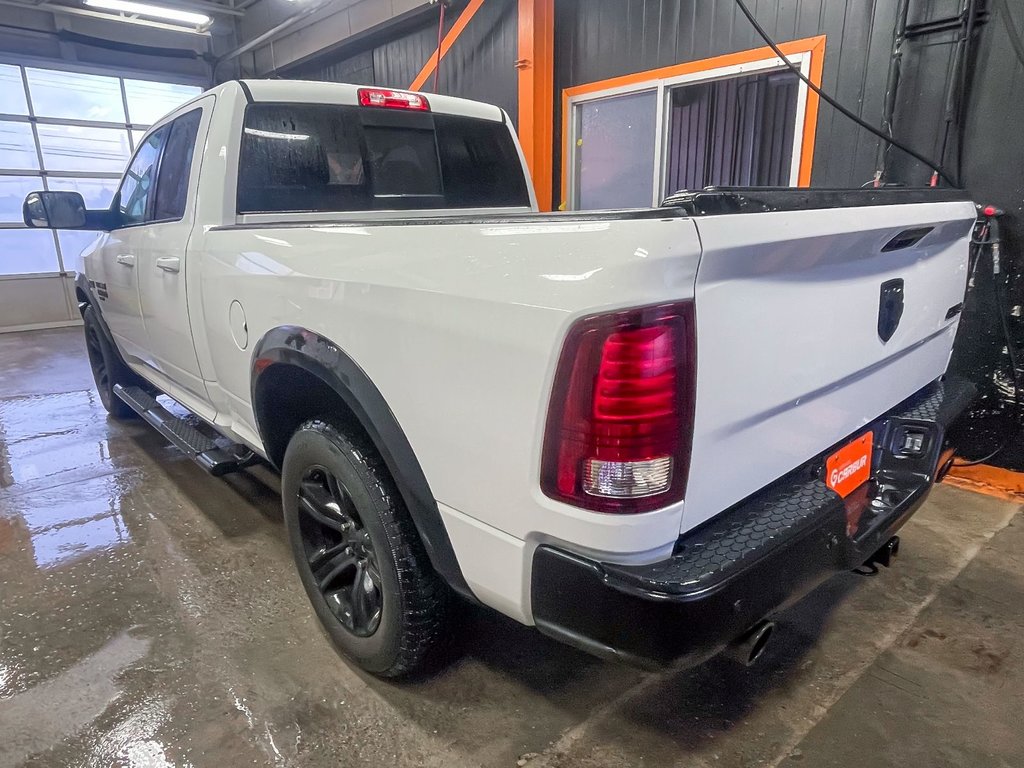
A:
<point x="621" y="415"/>
<point x="384" y="97"/>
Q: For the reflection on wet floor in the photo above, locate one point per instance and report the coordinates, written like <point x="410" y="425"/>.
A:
<point x="65" y="531"/>
<point x="43" y="437"/>
<point x="150" y="616"/>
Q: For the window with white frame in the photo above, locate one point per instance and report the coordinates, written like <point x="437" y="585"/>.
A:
<point x="73" y="131"/>
<point x="632" y="145"/>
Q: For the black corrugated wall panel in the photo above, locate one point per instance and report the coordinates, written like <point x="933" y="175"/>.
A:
<point x="993" y="171"/>
<point x="398" y="61"/>
<point x="356" y="69"/>
<point x="480" y="65"/>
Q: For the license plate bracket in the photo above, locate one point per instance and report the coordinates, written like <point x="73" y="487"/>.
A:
<point x="850" y="467"/>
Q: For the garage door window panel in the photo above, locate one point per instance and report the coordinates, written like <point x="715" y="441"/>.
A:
<point x="13" y="190"/>
<point x="148" y="101"/>
<point x="80" y="148"/>
<point x="27" y="252"/>
<point x="74" y="95"/>
<point x="12" y="91"/>
<point x="63" y="130"/>
<point x="98" y="193"/>
<point x="17" y="147"/>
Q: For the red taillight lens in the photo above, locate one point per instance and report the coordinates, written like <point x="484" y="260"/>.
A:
<point x="621" y="416"/>
<point x="383" y="97"/>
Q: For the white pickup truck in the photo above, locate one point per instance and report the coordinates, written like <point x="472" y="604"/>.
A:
<point x="643" y="431"/>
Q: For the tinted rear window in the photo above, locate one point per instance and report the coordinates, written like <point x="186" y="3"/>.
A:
<point x="313" y="158"/>
<point x="176" y="166"/>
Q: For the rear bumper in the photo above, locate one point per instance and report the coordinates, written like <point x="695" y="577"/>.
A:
<point x="752" y="560"/>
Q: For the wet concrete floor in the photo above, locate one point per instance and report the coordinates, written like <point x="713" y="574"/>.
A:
<point x="150" y="616"/>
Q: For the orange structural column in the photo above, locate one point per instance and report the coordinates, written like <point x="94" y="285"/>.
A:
<point x="449" y="40"/>
<point x="536" y="92"/>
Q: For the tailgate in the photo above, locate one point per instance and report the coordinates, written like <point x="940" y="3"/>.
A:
<point x="800" y="337"/>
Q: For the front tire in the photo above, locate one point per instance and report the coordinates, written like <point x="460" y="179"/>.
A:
<point x="107" y="366"/>
<point x="357" y="551"/>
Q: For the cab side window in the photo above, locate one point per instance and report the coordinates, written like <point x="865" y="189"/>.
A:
<point x="176" y="168"/>
<point x="140" y="180"/>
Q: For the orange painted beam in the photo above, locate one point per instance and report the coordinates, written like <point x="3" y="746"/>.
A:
<point x="815" y="46"/>
<point x="536" y="93"/>
<point x="449" y="40"/>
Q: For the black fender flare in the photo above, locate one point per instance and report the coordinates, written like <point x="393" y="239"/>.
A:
<point x="87" y="287"/>
<point x="319" y="356"/>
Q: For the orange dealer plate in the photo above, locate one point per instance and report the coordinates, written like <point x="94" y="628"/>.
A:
<point x="849" y="467"/>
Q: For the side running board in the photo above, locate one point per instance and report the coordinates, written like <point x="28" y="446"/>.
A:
<point x="217" y="459"/>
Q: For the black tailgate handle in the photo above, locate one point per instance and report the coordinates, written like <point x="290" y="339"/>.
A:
<point x="906" y="238"/>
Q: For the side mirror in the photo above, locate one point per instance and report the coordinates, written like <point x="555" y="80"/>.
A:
<point x="54" y="210"/>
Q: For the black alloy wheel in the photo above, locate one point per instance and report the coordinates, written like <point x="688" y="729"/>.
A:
<point x="339" y="552"/>
<point x="357" y="550"/>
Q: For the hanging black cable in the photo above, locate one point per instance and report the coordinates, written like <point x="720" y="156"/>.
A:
<point x="836" y="105"/>
<point x="950" y="99"/>
<point x="966" y="71"/>
<point x="440" y="35"/>
<point x="892" y="84"/>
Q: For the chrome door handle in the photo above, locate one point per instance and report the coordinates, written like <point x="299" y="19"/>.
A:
<point x="127" y="259"/>
<point x="169" y="263"/>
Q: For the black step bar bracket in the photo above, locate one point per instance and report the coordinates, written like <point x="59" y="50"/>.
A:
<point x="217" y="459"/>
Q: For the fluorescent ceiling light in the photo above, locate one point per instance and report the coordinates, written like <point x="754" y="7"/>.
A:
<point x="144" y="9"/>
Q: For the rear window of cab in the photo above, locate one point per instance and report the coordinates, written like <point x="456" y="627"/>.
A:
<point x="322" y="158"/>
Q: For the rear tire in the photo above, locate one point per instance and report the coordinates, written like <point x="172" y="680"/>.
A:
<point x="107" y="366"/>
<point x="359" y="556"/>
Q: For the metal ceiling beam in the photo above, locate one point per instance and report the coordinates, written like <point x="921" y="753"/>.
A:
<point x="273" y="32"/>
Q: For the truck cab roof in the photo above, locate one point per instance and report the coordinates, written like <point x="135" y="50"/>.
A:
<point x="317" y="92"/>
